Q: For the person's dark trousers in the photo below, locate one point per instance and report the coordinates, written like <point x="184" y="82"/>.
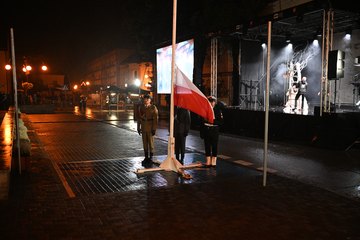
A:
<point x="211" y="139"/>
<point x="180" y="140"/>
<point x="302" y="100"/>
<point x="146" y="154"/>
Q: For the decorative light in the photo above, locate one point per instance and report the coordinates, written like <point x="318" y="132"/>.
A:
<point x="44" y="68"/>
<point x="7" y="67"/>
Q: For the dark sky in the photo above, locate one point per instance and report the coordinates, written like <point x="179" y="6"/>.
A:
<point x="67" y="34"/>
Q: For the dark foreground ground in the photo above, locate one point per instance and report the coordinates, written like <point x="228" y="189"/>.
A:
<point x="82" y="184"/>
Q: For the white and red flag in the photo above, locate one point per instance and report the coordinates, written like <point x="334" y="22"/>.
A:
<point x="188" y="96"/>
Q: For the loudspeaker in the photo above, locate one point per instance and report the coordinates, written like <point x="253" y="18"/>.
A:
<point x="336" y="64"/>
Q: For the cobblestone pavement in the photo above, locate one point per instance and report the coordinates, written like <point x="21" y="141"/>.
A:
<point x="82" y="184"/>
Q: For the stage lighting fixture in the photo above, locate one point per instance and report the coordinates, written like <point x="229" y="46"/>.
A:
<point x="263" y="40"/>
<point x="349" y="31"/>
<point x="288" y="37"/>
<point x="319" y="32"/>
<point x="316" y="42"/>
<point x="348" y="34"/>
<point x="315" y="37"/>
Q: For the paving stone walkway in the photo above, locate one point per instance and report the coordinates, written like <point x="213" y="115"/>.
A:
<point x="95" y="162"/>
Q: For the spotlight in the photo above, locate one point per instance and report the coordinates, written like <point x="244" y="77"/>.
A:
<point x="348" y="33"/>
<point x="288" y="37"/>
<point x="319" y="32"/>
<point x="263" y="40"/>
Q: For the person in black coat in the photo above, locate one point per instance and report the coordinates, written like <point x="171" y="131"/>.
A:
<point x="210" y="133"/>
<point x="181" y="129"/>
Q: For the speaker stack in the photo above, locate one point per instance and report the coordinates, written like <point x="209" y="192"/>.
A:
<point x="336" y="64"/>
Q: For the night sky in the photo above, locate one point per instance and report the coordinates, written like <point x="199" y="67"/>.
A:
<point x="67" y="34"/>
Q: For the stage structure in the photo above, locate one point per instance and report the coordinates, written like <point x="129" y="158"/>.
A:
<point x="327" y="42"/>
<point x="295" y="65"/>
<point x="213" y="74"/>
<point x="317" y="23"/>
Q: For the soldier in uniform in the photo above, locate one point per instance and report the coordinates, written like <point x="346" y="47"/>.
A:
<point x="147" y="125"/>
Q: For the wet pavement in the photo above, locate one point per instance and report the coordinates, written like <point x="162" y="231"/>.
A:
<point x="82" y="184"/>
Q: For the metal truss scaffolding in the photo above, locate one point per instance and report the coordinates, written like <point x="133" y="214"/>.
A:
<point x="327" y="42"/>
<point x="249" y="93"/>
<point x="213" y="74"/>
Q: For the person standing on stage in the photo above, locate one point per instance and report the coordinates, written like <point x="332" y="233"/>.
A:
<point x="146" y="126"/>
<point x="302" y="87"/>
<point x="210" y="133"/>
<point x="181" y="129"/>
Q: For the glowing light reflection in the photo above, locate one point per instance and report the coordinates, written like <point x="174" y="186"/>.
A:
<point x="7" y="131"/>
<point x="89" y="113"/>
<point x="113" y="117"/>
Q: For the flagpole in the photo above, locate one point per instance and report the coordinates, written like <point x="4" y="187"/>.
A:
<point x="173" y="53"/>
<point x="171" y="163"/>
<point x="267" y="106"/>
<point x="13" y="62"/>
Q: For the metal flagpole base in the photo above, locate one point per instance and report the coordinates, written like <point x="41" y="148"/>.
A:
<point x="143" y="170"/>
<point x="192" y="165"/>
<point x="171" y="164"/>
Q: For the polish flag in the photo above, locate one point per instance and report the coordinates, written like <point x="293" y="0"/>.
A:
<point x="188" y="96"/>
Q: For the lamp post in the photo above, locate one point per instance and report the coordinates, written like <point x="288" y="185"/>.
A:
<point x="81" y="90"/>
<point x="8" y="83"/>
<point x="28" y="69"/>
<point x="138" y="83"/>
<point x="27" y="66"/>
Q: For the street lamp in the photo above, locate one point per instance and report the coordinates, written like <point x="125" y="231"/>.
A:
<point x="138" y="83"/>
<point x="7" y="67"/>
<point x="27" y="69"/>
<point x="44" y="68"/>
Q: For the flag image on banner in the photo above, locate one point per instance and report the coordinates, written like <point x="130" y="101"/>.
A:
<point x="188" y="96"/>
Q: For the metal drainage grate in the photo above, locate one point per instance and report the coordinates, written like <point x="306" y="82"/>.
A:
<point x="119" y="175"/>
